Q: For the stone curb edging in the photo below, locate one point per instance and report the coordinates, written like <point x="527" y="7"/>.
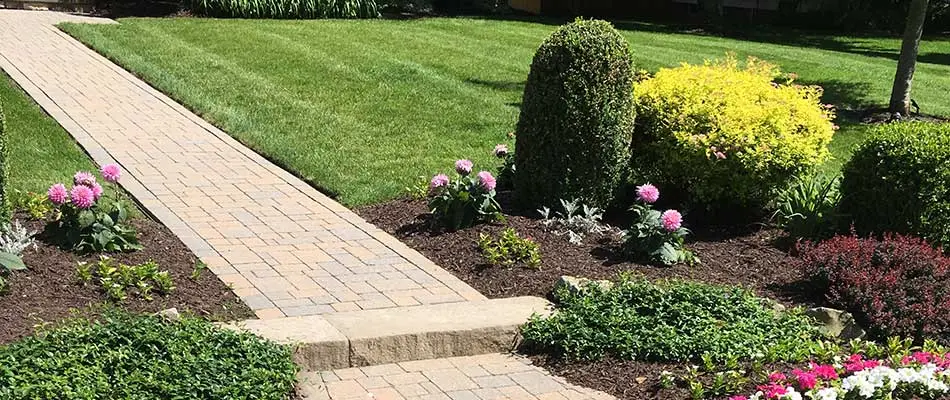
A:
<point x="374" y="337"/>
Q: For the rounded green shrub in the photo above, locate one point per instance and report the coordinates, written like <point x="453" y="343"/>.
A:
<point x="125" y="356"/>
<point x="573" y="136"/>
<point x="725" y="136"/>
<point x="899" y="181"/>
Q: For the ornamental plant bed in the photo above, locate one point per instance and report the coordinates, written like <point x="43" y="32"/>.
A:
<point x="49" y="290"/>
<point x="750" y="260"/>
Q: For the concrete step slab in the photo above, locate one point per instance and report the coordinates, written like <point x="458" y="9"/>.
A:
<point x="374" y="337"/>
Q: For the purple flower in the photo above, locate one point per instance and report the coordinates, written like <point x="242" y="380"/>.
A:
<point x="111" y="172"/>
<point x="648" y="193"/>
<point x="501" y="151"/>
<point x="463" y="167"/>
<point x="57" y="194"/>
<point x="672" y="220"/>
<point x="486" y="180"/>
<point x="82" y="196"/>
<point x="84" y="178"/>
<point x="440" y="180"/>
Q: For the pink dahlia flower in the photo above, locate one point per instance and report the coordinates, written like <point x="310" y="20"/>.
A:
<point x="463" y="167"/>
<point x="84" y="178"/>
<point x="501" y="151"/>
<point x="96" y="191"/>
<point x="57" y="194"/>
<point x="440" y="180"/>
<point x="486" y="180"/>
<point x="648" y="193"/>
<point x="111" y="172"/>
<point x="82" y="196"/>
<point x="672" y="220"/>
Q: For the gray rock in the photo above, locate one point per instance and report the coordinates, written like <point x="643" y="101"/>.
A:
<point x="170" y="314"/>
<point x="836" y="323"/>
<point x="575" y="285"/>
<point x="776" y="307"/>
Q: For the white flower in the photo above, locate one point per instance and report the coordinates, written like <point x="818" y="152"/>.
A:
<point x="826" y="394"/>
<point x="791" y="394"/>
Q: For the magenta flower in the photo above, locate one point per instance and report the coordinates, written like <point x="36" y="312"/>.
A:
<point x="648" y="193"/>
<point x="501" y="151"/>
<point x="84" y="178"/>
<point x="440" y="180"/>
<point x="773" y="390"/>
<point x="486" y="180"/>
<point x="806" y="380"/>
<point x="826" y="372"/>
<point x="672" y="220"/>
<point x="738" y="398"/>
<point x="57" y="194"/>
<point x="111" y="172"/>
<point x="463" y="167"/>
<point x="96" y="191"/>
<point x="777" y="377"/>
<point x="82" y="196"/>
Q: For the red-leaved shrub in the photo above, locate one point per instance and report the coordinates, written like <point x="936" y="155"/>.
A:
<point x="899" y="286"/>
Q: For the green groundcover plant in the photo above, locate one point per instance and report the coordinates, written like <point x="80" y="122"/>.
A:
<point x="668" y="321"/>
<point x="124" y="356"/>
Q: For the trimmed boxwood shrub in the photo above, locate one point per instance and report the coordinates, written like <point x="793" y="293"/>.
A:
<point x="725" y="136"/>
<point x="898" y="286"/>
<point x="576" y="121"/>
<point x="126" y="356"/>
<point x="899" y="181"/>
<point x="289" y="9"/>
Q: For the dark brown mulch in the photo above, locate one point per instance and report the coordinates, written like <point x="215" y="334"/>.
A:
<point x="749" y="260"/>
<point x="49" y="290"/>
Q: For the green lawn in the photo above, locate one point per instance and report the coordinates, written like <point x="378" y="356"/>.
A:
<point x="363" y="108"/>
<point x="41" y="152"/>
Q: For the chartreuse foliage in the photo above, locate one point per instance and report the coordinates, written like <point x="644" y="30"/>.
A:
<point x="899" y="181"/>
<point x="573" y="137"/>
<point x="725" y="135"/>
<point x="125" y="356"/>
<point x="669" y="321"/>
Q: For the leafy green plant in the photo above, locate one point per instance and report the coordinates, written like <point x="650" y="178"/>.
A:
<point x="506" y="171"/>
<point x="88" y="220"/>
<point x="809" y="207"/>
<point x="199" y="268"/>
<point x="124" y="356"/>
<point x="898" y="180"/>
<point x="14" y="238"/>
<point x="291" y="9"/>
<point x="117" y="279"/>
<point x="656" y="237"/>
<point x="419" y="189"/>
<point x="35" y="204"/>
<point x="510" y="249"/>
<point x="5" y="211"/>
<point x="669" y="321"/>
<point x="466" y="200"/>
<point x="573" y="134"/>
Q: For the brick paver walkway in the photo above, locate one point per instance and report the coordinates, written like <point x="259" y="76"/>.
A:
<point x="285" y="248"/>
<point x="485" y="377"/>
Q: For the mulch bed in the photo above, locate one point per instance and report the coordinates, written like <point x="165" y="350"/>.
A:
<point x="49" y="290"/>
<point x="751" y="260"/>
<point x="754" y="259"/>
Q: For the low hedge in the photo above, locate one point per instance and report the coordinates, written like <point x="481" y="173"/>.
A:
<point x="284" y="9"/>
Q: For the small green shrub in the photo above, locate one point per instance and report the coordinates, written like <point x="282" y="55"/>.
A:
<point x="35" y="204"/>
<point x="118" y="279"/>
<point x="284" y="9"/>
<point x="510" y="249"/>
<point x="725" y="136"/>
<point x="573" y="135"/>
<point x="808" y="209"/>
<point x="899" y="181"/>
<point x="668" y="321"/>
<point x="145" y="357"/>
<point x="5" y="211"/>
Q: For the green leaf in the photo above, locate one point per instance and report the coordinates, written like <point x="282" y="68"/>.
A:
<point x="86" y="218"/>
<point x="11" y="262"/>
<point x="106" y="220"/>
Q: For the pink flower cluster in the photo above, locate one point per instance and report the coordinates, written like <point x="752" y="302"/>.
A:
<point x="464" y="168"/>
<point x="86" y="191"/>
<point x="670" y="219"/>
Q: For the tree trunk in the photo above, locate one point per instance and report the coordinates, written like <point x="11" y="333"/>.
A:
<point x="900" y="94"/>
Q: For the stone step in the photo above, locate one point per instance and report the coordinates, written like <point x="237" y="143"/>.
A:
<point x="375" y="337"/>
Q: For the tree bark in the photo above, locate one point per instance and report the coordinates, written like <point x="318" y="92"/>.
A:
<point x="900" y="94"/>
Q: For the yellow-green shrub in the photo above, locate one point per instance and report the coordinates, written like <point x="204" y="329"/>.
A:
<point x="726" y="135"/>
